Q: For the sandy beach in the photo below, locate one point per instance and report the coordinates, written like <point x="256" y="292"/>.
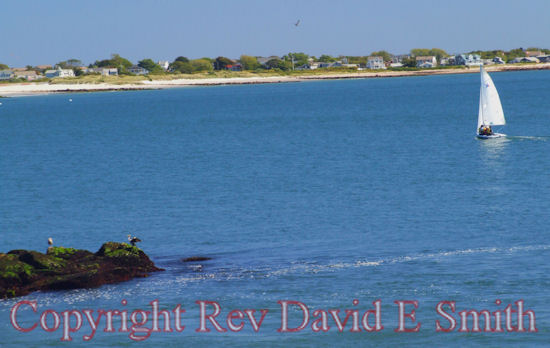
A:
<point x="26" y="89"/>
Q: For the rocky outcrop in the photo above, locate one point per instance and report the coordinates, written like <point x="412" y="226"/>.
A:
<point x="23" y="271"/>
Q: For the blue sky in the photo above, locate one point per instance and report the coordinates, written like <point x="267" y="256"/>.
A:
<point x="45" y="32"/>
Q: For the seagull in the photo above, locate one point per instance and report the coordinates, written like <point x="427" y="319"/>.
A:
<point x="50" y="241"/>
<point x="133" y="240"/>
<point x="297" y="23"/>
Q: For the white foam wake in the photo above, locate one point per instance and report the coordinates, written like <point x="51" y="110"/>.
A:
<point x="315" y="268"/>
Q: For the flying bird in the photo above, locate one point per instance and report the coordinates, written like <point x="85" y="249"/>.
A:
<point x="297" y="23"/>
<point x="133" y="240"/>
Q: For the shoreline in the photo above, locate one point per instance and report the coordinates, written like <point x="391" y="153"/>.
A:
<point x="30" y="89"/>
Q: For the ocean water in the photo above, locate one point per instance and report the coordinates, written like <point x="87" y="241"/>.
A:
<point x="320" y="192"/>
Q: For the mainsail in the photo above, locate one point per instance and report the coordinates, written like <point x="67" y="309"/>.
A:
<point x="490" y="109"/>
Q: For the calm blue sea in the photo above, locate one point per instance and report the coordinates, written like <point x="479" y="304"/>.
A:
<point x="319" y="192"/>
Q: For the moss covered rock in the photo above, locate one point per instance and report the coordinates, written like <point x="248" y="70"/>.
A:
<point x="23" y="271"/>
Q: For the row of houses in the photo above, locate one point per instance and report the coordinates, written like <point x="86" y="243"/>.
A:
<point x="373" y="62"/>
<point x="18" y="74"/>
<point x="460" y="59"/>
<point x="319" y="65"/>
<point x="31" y="75"/>
<point x="377" y="62"/>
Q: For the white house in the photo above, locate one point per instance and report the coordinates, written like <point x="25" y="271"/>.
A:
<point x="163" y="64"/>
<point x="375" y="62"/>
<point x="469" y="60"/>
<point x="309" y="66"/>
<point x="525" y="60"/>
<point x="533" y="53"/>
<point x="59" y="73"/>
<point x="447" y="61"/>
<point x="28" y="75"/>
<point x="103" y="71"/>
<point x="6" y="74"/>
<point x="426" y="61"/>
<point x="138" y="70"/>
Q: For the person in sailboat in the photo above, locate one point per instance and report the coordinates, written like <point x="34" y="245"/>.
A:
<point x="485" y="130"/>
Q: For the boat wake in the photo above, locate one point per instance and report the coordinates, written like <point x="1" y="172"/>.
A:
<point x="300" y="267"/>
<point x="527" y="137"/>
<point x="407" y="258"/>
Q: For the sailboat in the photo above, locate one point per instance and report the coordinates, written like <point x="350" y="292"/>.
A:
<point x="490" y="109"/>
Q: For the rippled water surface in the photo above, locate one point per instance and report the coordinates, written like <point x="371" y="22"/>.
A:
<point x="318" y="192"/>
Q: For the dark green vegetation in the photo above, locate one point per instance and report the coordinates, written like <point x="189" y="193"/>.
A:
<point x="23" y="271"/>
<point x="437" y="52"/>
<point x="151" y="66"/>
<point x="116" y="61"/>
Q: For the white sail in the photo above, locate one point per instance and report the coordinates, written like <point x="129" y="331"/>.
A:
<point x="490" y="109"/>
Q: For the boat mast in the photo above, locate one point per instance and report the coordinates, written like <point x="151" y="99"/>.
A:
<point x="481" y="101"/>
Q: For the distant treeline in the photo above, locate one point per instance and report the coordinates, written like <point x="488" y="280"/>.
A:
<point x="284" y="63"/>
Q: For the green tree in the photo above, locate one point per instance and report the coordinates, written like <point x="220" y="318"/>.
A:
<point x="116" y="61"/>
<point x="63" y="65"/>
<point x="182" y="67"/>
<point x="69" y="64"/>
<point x="3" y="66"/>
<point x="249" y="62"/>
<point x="151" y="66"/>
<point x="409" y="62"/>
<point x="78" y="72"/>
<point x="201" y="65"/>
<point x="517" y="52"/>
<point x="73" y="63"/>
<point x="299" y="58"/>
<point x="277" y="63"/>
<point x="489" y="54"/>
<point x="182" y="59"/>
<point x="438" y="53"/>
<point x="221" y="63"/>
<point x="385" y="55"/>
<point x="361" y="60"/>
<point x="326" y="58"/>
<point x="420" y="52"/>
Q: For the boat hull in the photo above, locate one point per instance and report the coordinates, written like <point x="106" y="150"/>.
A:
<point x="492" y="136"/>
